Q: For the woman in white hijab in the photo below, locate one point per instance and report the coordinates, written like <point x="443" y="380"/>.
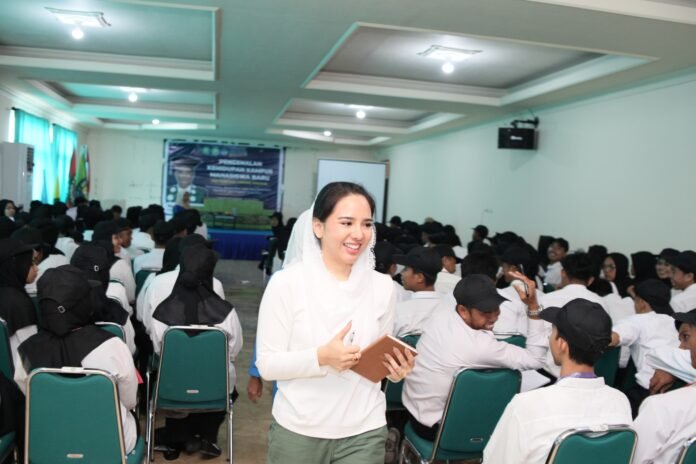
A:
<point x="317" y="314"/>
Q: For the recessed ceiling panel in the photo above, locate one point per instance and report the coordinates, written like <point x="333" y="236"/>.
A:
<point x="110" y="92"/>
<point x="388" y="52"/>
<point x="136" y="29"/>
<point x="342" y="109"/>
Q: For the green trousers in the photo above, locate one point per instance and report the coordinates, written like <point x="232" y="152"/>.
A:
<point x="286" y="447"/>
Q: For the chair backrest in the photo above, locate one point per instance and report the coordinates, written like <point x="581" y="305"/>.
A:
<point x="688" y="452"/>
<point x="6" y="364"/>
<point x="193" y="368"/>
<point x="411" y="339"/>
<point x="141" y="277"/>
<point x="609" y="444"/>
<point x="112" y="328"/>
<point x="476" y="401"/>
<point x="607" y="365"/>
<point x="513" y="338"/>
<point x="73" y="415"/>
<point x="393" y="391"/>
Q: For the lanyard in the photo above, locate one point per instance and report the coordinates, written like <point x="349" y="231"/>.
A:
<point x="580" y="375"/>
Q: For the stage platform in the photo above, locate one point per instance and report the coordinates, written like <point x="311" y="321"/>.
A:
<point x="239" y="244"/>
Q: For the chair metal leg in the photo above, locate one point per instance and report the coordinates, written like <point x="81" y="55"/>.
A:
<point x="150" y="431"/>
<point x="229" y="435"/>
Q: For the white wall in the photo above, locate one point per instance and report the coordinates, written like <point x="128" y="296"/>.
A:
<point x="127" y="169"/>
<point x="617" y="170"/>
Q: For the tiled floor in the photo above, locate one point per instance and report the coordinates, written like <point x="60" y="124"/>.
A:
<point x="243" y="287"/>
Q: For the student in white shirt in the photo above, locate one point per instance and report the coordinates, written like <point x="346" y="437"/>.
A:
<point x="447" y="278"/>
<point x="66" y="243"/>
<point x="533" y="420"/>
<point x="615" y="270"/>
<point x="31" y="236"/>
<point x="125" y="236"/>
<point x="421" y="269"/>
<point x="513" y="314"/>
<point x="121" y="270"/>
<point x="577" y="273"/>
<point x="557" y="250"/>
<point x="459" y="336"/>
<point x="142" y="236"/>
<point x="667" y="421"/>
<point x="317" y="313"/>
<point x="384" y="264"/>
<point x="651" y="327"/>
<point x="193" y="302"/>
<point x="162" y="233"/>
<point x="671" y="364"/>
<point x="68" y="339"/>
<point x="683" y="268"/>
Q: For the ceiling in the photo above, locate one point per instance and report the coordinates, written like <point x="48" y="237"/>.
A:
<point x="287" y="72"/>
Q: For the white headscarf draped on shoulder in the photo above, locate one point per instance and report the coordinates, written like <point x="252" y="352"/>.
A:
<point x="335" y="302"/>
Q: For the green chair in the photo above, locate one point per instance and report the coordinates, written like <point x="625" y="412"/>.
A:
<point x="476" y="401"/>
<point x="35" y="302"/>
<point x="548" y="288"/>
<point x="393" y="390"/>
<point x="607" y="365"/>
<point x="688" y="452"/>
<point x="141" y="277"/>
<point x="112" y="328"/>
<point x="74" y="415"/>
<point x="192" y="376"/>
<point x="608" y="444"/>
<point x="7" y="446"/>
<point x="6" y="363"/>
<point x="513" y="338"/>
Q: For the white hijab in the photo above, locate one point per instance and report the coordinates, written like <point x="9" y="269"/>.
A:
<point x="333" y="302"/>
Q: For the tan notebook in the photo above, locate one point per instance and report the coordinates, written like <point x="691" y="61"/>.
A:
<point x="370" y="365"/>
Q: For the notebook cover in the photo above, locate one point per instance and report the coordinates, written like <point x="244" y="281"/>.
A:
<point x="370" y="365"/>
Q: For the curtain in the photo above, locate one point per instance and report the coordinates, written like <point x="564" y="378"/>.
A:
<point x="63" y="146"/>
<point x="51" y="157"/>
<point x="37" y="132"/>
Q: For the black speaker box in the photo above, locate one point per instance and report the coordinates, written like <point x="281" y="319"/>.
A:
<point x="521" y="139"/>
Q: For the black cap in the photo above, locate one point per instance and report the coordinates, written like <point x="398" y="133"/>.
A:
<point x="481" y="230"/>
<point x="688" y="317"/>
<point x="104" y="230"/>
<point x="685" y="261"/>
<point x="396" y="220"/>
<point x="667" y="253"/>
<point x="516" y="256"/>
<point x="446" y="251"/>
<point x="123" y="224"/>
<point x="147" y="219"/>
<point x="581" y="323"/>
<point x="431" y="228"/>
<point x="185" y="162"/>
<point x="422" y="260"/>
<point x="163" y="231"/>
<point x="278" y="215"/>
<point x="656" y="293"/>
<point x="478" y="291"/>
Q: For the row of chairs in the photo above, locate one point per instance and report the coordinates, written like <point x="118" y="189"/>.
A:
<point x="460" y="438"/>
<point x="74" y="414"/>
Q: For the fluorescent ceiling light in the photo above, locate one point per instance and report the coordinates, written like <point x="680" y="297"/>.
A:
<point x="306" y="135"/>
<point x="361" y="107"/>
<point x="77" y="33"/>
<point x="133" y="89"/>
<point x="327" y="133"/>
<point x="454" y="55"/>
<point x="360" y="114"/>
<point x="80" y="18"/>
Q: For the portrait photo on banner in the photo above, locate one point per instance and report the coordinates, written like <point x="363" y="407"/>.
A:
<point x="232" y="186"/>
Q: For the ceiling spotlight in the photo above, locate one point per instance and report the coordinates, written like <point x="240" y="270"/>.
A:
<point x="155" y="121"/>
<point x="448" y="68"/>
<point x="327" y="133"/>
<point x="360" y="114"/>
<point x="132" y="97"/>
<point x="77" y="33"/>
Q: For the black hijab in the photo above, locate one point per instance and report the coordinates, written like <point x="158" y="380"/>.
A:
<point x="622" y="279"/>
<point x="66" y="333"/>
<point x="644" y="266"/>
<point x="16" y="307"/>
<point x="172" y="255"/>
<point x="93" y="260"/>
<point x="193" y="300"/>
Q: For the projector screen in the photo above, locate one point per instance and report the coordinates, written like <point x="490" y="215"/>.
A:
<point x="372" y="176"/>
